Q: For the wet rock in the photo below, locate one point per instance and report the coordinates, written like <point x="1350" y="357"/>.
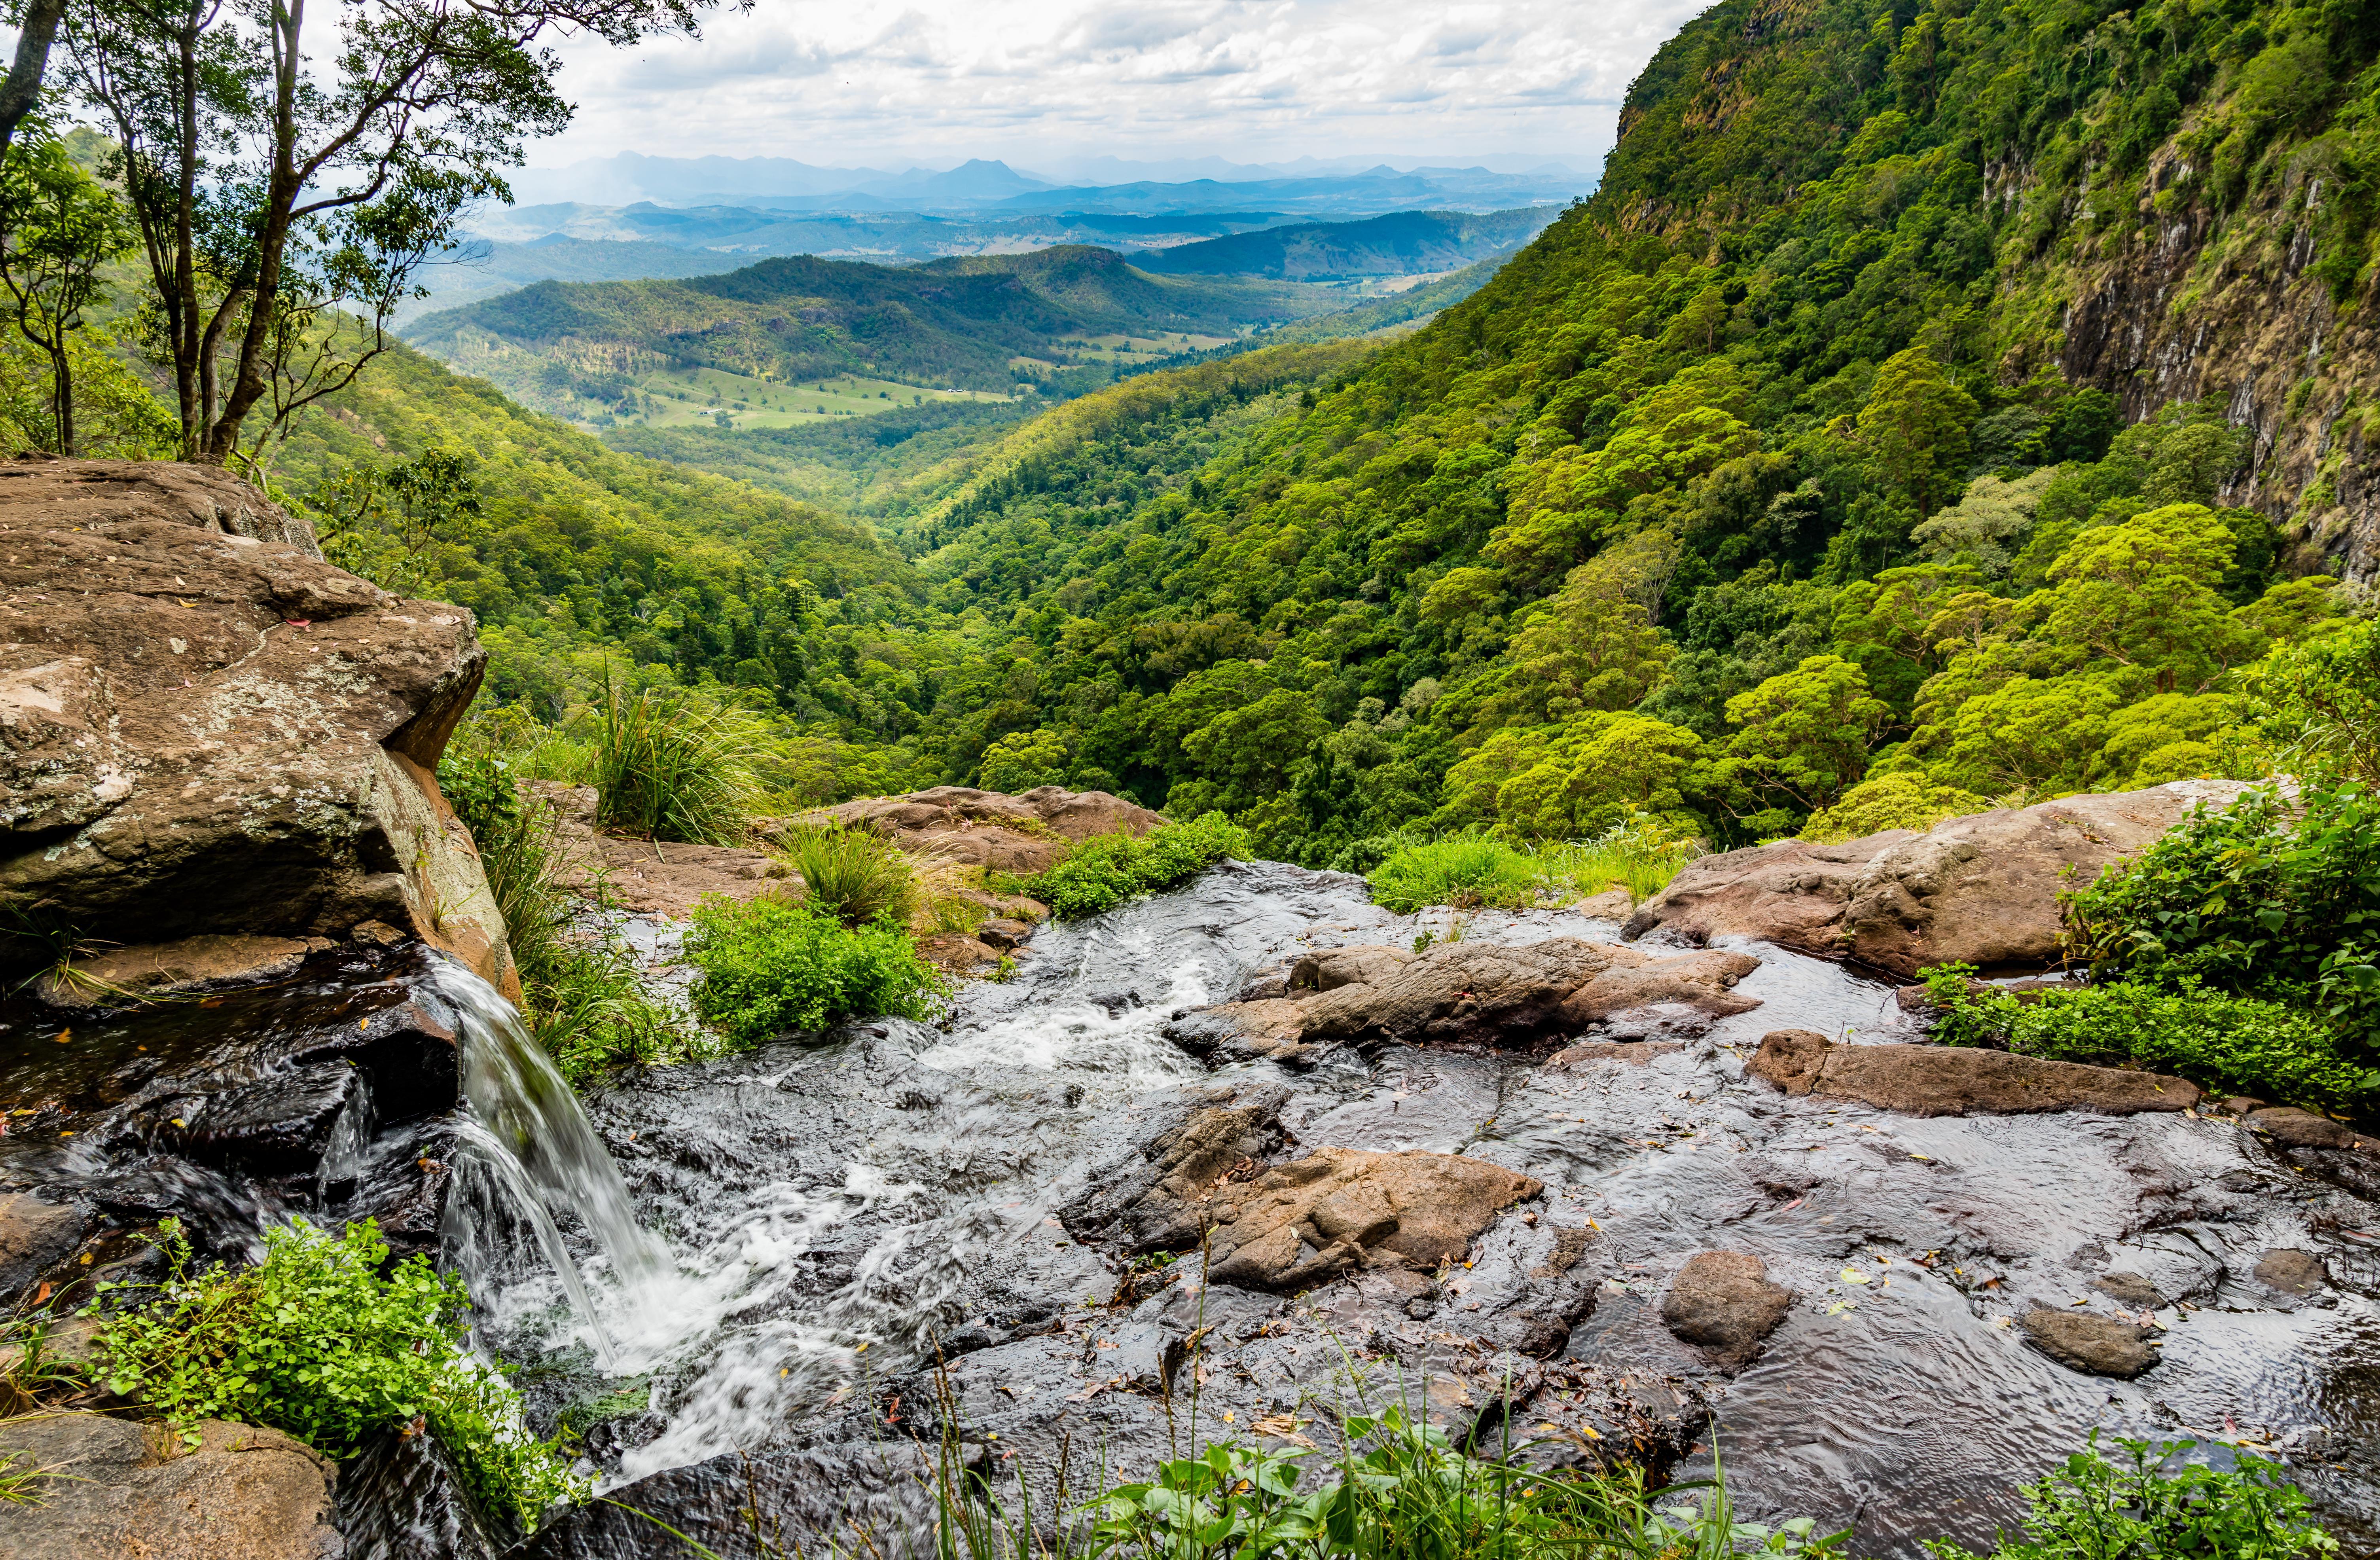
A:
<point x="1635" y="981"/>
<point x="215" y="731"/>
<point x="1326" y="969"/>
<point x="2304" y="1129"/>
<point x="2097" y="1345"/>
<point x="1160" y="1201"/>
<point x="243" y="1493"/>
<point x="1723" y="1301"/>
<point x="1957" y="1080"/>
<point x="2241" y="1104"/>
<point x="1264" y="1029"/>
<point x="1635" y="1053"/>
<point x="1313" y="1219"/>
<point x="1661" y="1020"/>
<point x="1460" y="991"/>
<point x="864" y="1498"/>
<point x="36" y="1234"/>
<point x="2130" y="1288"/>
<point x="402" y="1498"/>
<point x="194" y="964"/>
<point x="1003" y="933"/>
<point x="1980" y="890"/>
<point x="2292" y="1272"/>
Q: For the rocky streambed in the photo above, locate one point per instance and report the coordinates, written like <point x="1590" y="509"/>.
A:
<point x="1127" y="1215"/>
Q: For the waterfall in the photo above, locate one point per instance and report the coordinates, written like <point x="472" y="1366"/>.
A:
<point x="528" y="1156"/>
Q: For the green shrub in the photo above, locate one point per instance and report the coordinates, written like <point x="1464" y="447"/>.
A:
<point x="1467" y="871"/>
<point x="1099" y="874"/>
<point x="2228" y="1044"/>
<point x="2264" y="898"/>
<point x="329" y="1341"/>
<point x="2099" y="1509"/>
<point x="2318" y="704"/>
<point x="675" y="767"/>
<point x="769" y="967"/>
<point x="850" y="874"/>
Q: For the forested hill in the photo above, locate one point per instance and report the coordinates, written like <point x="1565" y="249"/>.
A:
<point x="1399" y="243"/>
<point x="1837" y="456"/>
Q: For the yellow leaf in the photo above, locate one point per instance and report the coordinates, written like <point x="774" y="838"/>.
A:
<point x="1854" y="1275"/>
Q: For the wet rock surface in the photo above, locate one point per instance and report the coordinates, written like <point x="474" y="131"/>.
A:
<point x="2100" y="1345"/>
<point x="242" y="1494"/>
<point x="1957" y="1080"/>
<point x="1981" y="890"/>
<point x="1014" y="1194"/>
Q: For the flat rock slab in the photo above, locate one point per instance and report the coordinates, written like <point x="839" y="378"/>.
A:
<point x="1957" y="1080"/>
<point x="1315" y="1218"/>
<point x="136" y="1493"/>
<point x="192" y="963"/>
<point x="1013" y="833"/>
<point x="1981" y="890"/>
<point x="2097" y="1345"/>
<point x="1724" y="1302"/>
<point x="2304" y="1129"/>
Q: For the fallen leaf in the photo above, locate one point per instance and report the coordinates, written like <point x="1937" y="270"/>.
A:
<point x="1854" y="1275"/>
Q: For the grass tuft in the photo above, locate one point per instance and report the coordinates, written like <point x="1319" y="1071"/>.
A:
<point x="669" y="765"/>
<point x="856" y="876"/>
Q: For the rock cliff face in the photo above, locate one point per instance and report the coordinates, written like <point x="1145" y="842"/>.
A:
<point x="205" y="729"/>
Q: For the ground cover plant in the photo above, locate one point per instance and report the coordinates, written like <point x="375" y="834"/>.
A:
<point x="770" y="968"/>
<point x="1102" y="872"/>
<point x="2140" y="1505"/>
<point x="1473" y="870"/>
<point x="330" y="1341"/>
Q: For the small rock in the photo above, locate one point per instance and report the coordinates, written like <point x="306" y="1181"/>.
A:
<point x="1612" y="904"/>
<point x="35" y="1235"/>
<point x="2097" y="1345"/>
<point x="377" y="933"/>
<point x="1003" y="933"/>
<point x="956" y="953"/>
<point x="1723" y="1301"/>
<point x="2291" y="1271"/>
<point x="1312" y="1220"/>
<point x="1635" y="1053"/>
<point x="2130" y="1288"/>
<point x="1957" y="1080"/>
<point x="2241" y="1104"/>
<point x="2304" y="1129"/>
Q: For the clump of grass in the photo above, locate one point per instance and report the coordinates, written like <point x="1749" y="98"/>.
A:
<point x="856" y="876"/>
<point x="952" y="913"/>
<point x="771" y="969"/>
<point x="671" y="766"/>
<point x="1466" y="870"/>
<point x="1101" y="874"/>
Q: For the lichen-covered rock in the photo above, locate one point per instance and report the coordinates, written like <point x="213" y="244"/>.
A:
<point x="1724" y="1302"/>
<point x="1957" y="1080"/>
<point x="136" y="1492"/>
<point x="2098" y="1346"/>
<point x="206" y="728"/>
<point x="1981" y="890"/>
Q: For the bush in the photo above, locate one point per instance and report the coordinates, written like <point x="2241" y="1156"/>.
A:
<point x="769" y="967"/>
<point x="674" y="767"/>
<point x="2228" y="1044"/>
<point x="2100" y="1509"/>
<point x="2264" y="898"/>
<point x="2319" y="705"/>
<point x="1099" y="874"/>
<point x="850" y="874"/>
<point x="1467" y="871"/>
<point x="329" y="1341"/>
<point x="1903" y="800"/>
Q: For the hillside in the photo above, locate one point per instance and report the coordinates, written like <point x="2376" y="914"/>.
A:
<point x="1401" y="244"/>
<point x="965" y="322"/>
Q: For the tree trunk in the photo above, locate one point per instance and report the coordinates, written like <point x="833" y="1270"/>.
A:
<point x="22" y="87"/>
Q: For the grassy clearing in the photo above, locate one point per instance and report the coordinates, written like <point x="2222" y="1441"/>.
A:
<point x="710" y="397"/>
<point x="1099" y="874"/>
<point x="1481" y="872"/>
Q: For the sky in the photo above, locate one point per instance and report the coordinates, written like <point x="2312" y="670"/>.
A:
<point x="868" y="83"/>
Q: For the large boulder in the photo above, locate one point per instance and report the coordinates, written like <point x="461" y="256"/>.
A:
<point x="1957" y="1080"/>
<point x="1981" y="890"/>
<point x="131" y="1492"/>
<point x="1342" y="1209"/>
<point x="205" y="729"/>
<point x="1020" y="834"/>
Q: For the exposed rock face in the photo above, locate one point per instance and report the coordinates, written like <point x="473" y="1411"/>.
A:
<point x="2098" y="1346"/>
<point x="651" y="877"/>
<point x="1980" y="890"/>
<point x="136" y="1493"/>
<point x="1723" y="1301"/>
<point x="205" y="729"/>
<point x="1957" y="1080"/>
<point x="1022" y="834"/>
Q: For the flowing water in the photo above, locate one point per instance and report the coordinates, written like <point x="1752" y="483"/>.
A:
<point x="821" y="1213"/>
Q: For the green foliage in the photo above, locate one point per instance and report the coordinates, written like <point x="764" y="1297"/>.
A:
<point x="1895" y="800"/>
<point x="59" y="229"/>
<point x="673" y="766"/>
<point x="2270" y="896"/>
<point x="1466" y="870"/>
<point x="2319" y="705"/>
<point x="2137" y="1507"/>
<point x="771" y="969"/>
<point x="1102" y="872"/>
<point x="387" y="522"/>
<point x="1641" y="854"/>
<point x="328" y="1340"/>
<point x="853" y="875"/>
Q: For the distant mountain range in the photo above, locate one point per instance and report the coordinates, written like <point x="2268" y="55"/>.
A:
<point x="1401" y="244"/>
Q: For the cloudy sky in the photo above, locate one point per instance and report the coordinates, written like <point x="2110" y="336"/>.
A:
<point x="878" y="81"/>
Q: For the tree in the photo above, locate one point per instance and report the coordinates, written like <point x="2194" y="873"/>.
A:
<point x="277" y="176"/>
<point x="57" y="228"/>
<point x="383" y="524"/>
<point x="1806" y="736"/>
<point x="1915" y="422"/>
<point x="22" y="90"/>
<point x="2142" y="593"/>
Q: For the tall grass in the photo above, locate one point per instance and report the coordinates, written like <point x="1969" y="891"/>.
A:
<point x="853" y="875"/>
<point x="1475" y="872"/>
<point x="672" y="766"/>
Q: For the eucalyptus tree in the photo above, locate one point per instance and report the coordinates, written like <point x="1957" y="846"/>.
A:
<point x="290" y="174"/>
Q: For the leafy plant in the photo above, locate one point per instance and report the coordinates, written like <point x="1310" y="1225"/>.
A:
<point x="671" y="766"/>
<point x="770" y="968"/>
<point x="2142" y="1508"/>
<point x="329" y="1340"/>
<point x="1099" y="874"/>
<point x="853" y="875"/>
<point x="2319" y="705"/>
<point x="1465" y="869"/>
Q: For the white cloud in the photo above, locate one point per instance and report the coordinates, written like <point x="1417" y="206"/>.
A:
<point x="1255" y="80"/>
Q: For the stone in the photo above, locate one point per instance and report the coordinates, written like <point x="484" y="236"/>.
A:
<point x="1157" y="1202"/>
<point x="138" y="1493"/>
<point x="402" y="1498"/>
<point x="1981" y="890"/>
<point x="1957" y="1080"/>
<point x="873" y="1497"/>
<point x="204" y="728"/>
<point x="2129" y="1288"/>
<point x="2304" y="1129"/>
<point x="36" y="1234"/>
<point x="193" y="964"/>
<point x="1724" y="1302"/>
<point x="1326" y="969"/>
<point x="1634" y="980"/>
<point x="2291" y="1271"/>
<point x="1612" y="904"/>
<point x="956" y="953"/>
<point x="1003" y="933"/>
<point x="1635" y="1052"/>
<point x="2097" y="1345"/>
<point x="1021" y="834"/>
<point x="1313" y="1219"/>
